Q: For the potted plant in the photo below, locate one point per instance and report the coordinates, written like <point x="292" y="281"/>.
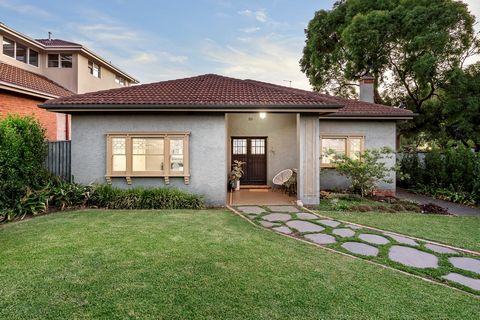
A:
<point x="236" y="174"/>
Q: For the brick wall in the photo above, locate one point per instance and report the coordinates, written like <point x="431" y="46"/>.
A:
<point x="12" y="103"/>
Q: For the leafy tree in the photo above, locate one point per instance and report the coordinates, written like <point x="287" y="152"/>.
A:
<point x="461" y="106"/>
<point x="409" y="46"/>
<point x="366" y="170"/>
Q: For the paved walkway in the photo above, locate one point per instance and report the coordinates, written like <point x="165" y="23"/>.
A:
<point x="449" y="265"/>
<point x="455" y="208"/>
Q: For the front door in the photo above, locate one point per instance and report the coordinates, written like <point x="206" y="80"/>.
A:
<point x="252" y="151"/>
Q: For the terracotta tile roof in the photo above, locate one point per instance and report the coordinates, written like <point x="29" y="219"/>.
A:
<point x="212" y="91"/>
<point x="57" y="43"/>
<point x="350" y="107"/>
<point x="32" y="81"/>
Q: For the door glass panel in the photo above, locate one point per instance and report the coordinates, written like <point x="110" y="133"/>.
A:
<point x="119" y="158"/>
<point x="239" y="146"/>
<point x="336" y="144"/>
<point x="147" y="154"/>
<point x="257" y="146"/>
<point x="176" y="154"/>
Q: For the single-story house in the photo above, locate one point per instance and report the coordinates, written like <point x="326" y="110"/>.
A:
<point x="187" y="132"/>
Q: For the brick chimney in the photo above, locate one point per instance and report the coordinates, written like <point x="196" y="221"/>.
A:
<point x="366" y="88"/>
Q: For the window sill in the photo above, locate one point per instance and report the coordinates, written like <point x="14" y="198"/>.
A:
<point x="166" y="177"/>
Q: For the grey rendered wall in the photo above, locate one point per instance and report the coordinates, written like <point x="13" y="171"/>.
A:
<point x="207" y="149"/>
<point x="377" y="134"/>
<point x="281" y="132"/>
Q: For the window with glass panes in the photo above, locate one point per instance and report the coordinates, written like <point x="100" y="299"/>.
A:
<point x="352" y="146"/>
<point x="147" y="155"/>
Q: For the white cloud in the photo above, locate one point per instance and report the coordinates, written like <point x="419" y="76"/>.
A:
<point x="106" y="33"/>
<point x="270" y="59"/>
<point x="259" y="15"/>
<point x="250" y="29"/>
<point x="24" y="8"/>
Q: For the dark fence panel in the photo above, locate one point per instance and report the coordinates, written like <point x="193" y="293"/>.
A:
<point x="59" y="159"/>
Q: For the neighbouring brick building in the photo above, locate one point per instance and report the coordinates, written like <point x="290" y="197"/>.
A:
<point x="33" y="71"/>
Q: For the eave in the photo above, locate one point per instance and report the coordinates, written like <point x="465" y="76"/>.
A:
<point x="27" y="91"/>
<point x="241" y="108"/>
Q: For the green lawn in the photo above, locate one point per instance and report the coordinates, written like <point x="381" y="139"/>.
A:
<point x="462" y="232"/>
<point x="197" y="265"/>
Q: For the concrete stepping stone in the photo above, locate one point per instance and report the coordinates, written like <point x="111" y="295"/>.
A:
<point x="329" y="223"/>
<point x="277" y="217"/>
<point x="402" y="240"/>
<point x="304" y="226"/>
<point x="439" y="249"/>
<point x="373" y="238"/>
<point x="468" y="264"/>
<point x="289" y="209"/>
<point x="354" y="227"/>
<point x="306" y="216"/>
<point x="251" y="209"/>
<point x="266" y="224"/>
<point x="412" y="257"/>
<point x="466" y="281"/>
<point x="320" y="238"/>
<point x="283" y="229"/>
<point x="344" y="232"/>
<point x="361" y="248"/>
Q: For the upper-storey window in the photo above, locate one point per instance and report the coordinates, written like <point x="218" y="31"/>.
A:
<point x="20" y="52"/>
<point x="60" y="60"/>
<point x="94" y="69"/>
<point x="33" y="57"/>
<point x="9" y="47"/>
<point x="121" y="81"/>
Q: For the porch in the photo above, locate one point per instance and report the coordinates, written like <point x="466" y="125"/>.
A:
<point x="260" y="196"/>
<point x="269" y="143"/>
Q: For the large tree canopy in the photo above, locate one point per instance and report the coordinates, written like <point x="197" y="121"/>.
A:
<point x="409" y="46"/>
<point x="460" y="106"/>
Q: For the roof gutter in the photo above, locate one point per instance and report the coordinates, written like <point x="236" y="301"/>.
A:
<point x="31" y="92"/>
<point x="190" y="108"/>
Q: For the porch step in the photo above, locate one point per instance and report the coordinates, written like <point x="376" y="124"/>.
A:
<point x="254" y="187"/>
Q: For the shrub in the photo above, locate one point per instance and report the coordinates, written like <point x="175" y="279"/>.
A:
<point x="22" y="154"/>
<point x="452" y="174"/>
<point x="106" y="196"/>
<point x="366" y="170"/>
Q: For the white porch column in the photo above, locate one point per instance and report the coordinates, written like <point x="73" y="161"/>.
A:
<point x="308" y="135"/>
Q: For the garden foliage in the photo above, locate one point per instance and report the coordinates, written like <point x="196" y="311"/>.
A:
<point x="365" y="171"/>
<point x="22" y="154"/>
<point x="452" y="174"/>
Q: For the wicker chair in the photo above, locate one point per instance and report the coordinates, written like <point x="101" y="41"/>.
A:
<point x="282" y="177"/>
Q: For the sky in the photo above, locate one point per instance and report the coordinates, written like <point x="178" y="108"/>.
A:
<point x="163" y="40"/>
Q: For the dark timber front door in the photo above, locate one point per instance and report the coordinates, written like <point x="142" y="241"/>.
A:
<point x="252" y="151"/>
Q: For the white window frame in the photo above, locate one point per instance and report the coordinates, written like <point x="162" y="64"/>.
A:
<point x="91" y="68"/>
<point x="121" y="81"/>
<point x="59" y="60"/>
<point x="27" y="58"/>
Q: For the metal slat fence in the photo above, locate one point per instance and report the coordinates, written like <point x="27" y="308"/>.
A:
<point x="58" y="160"/>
